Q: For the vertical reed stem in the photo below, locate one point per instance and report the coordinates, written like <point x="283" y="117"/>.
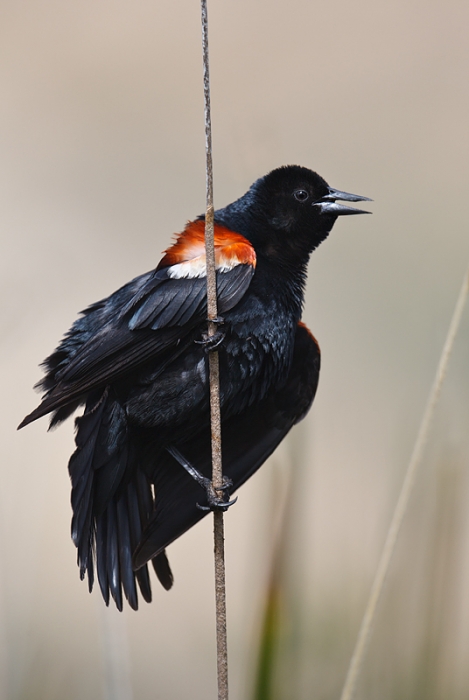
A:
<point x="214" y="372"/>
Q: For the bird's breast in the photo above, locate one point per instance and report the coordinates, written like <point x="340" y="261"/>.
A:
<point x="256" y="354"/>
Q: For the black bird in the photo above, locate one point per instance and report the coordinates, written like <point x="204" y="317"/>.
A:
<point x="138" y="361"/>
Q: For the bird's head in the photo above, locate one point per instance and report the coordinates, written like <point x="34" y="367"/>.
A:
<point x="291" y="209"/>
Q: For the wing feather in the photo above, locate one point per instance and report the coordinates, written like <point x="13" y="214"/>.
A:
<point x="118" y="335"/>
<point x="177" y="301"/>
<point x="248" y="440"/>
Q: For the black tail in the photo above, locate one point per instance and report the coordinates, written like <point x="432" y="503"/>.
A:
<point x="112" y="502"/>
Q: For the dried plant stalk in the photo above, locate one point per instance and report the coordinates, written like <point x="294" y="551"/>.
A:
<point x="214" y="374"/>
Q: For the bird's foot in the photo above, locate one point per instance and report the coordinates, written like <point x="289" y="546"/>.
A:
<point x="211" y="342"/>
<point x="215" y="502"/>
<point x="218" y="321"/>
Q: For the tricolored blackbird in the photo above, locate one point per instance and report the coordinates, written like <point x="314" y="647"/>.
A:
<point x="138" y="361"/>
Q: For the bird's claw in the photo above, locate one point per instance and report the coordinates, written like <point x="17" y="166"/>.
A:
<point x="218" y="505"/>
<point x="211" y="342"/>
<point x="215" y="503"/>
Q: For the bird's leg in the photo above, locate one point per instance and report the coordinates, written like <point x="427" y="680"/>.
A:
<point x="214" y="502"/>
<point x="212" y="342"/>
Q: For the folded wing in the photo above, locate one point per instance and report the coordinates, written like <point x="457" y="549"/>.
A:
<point x="248" y="440"/>
<point x="152" y="319"/>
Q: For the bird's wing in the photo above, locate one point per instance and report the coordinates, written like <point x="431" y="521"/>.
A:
<point x="248" y="440"/>
<point x="153" y="318"/>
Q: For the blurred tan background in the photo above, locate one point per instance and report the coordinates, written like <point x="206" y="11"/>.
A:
<point x="101" y="132"/>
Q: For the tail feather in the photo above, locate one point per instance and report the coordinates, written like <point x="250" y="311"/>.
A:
<point x="101" y="559"/>
<point x="136" y="527"/>
<point x="112" y="558"/>
<point x="163" y="570"/>
<point x="127" y="575"/>
<point x="112" y="503"/>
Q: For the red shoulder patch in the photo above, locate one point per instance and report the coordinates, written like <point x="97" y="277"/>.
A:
<point x="187" y="255"/>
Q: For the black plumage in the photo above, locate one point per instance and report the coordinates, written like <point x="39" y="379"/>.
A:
<point x="137" y="361"/>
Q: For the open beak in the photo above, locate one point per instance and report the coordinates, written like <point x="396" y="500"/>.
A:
<point x="328" y="205"/>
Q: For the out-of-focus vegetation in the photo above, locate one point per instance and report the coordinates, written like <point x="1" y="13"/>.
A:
<point x="419" y="643"/>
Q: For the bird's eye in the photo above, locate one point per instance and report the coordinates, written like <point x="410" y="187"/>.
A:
<point x="300" y="195"/>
